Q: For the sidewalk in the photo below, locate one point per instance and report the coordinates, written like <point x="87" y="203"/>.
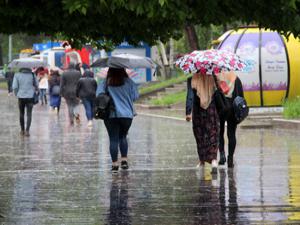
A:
<point x="61" y="175"/>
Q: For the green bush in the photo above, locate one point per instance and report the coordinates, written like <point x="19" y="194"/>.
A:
<point x="169" y="99"/>
<point x="291" y="108"/>
<point x="163" y="84"/>
<point x="3" y="85"/>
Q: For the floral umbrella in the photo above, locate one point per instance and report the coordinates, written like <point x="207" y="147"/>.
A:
<point x="210" y="62"/>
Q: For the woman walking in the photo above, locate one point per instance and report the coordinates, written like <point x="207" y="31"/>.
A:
<point x="124" y="92"/>
<point x="235" y="89"/>
<point x="54" y="90"/>
<point x="86" y="91"/>
<point x="43" y="86"/>
<point x="206" y="126"/>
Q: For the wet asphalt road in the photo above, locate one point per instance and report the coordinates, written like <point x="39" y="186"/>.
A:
<point x="61" y="175"/>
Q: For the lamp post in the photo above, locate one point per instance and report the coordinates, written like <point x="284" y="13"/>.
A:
<point x="10" y="48"/>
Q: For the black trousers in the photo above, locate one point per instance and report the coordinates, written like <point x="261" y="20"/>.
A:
<point x="28" y="104"/>
<point x="9" y="86"/>
<point x="231" y="134"/>
<point x="117" y="129"/>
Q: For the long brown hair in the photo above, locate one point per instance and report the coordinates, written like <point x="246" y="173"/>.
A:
<point x="116" y="76"/>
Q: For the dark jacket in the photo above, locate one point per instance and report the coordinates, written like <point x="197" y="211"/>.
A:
<point x="86" y="87"/>
<point x="238" y="91"/>
<point x="68" y="83"/>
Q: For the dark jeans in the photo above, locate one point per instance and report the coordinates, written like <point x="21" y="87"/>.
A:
<point x="88" y="106"/>
<point x="231" y="130"/>
<point x="117" y="129"/>
<point x="28" y="104"/>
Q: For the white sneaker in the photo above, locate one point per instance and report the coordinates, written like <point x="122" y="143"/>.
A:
<point x="214" y="166"/>
<point x="90" y="123"/>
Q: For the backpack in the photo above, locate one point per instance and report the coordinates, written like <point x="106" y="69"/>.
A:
<point x="240" y="108"/>
<point x="103" y="105"/>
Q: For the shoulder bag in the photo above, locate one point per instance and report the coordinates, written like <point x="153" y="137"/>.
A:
<point x="36" y="91"/>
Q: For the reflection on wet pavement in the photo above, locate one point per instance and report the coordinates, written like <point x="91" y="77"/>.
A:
<point x="61" y="175"/>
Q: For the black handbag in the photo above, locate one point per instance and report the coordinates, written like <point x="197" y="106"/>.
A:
<point x="222" y="103"/>
<point x="103" y="105"/>
<point x="36" y="91"/>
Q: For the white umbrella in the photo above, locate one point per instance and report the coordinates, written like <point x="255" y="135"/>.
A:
<point x="27" y="63"/>
<point x="125" y="60"/>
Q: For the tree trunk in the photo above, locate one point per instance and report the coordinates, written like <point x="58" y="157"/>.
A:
<point x="163" y="53"/>
<point x="171" y="55"/>
<point x="161" y="67"/>
<point x="191" y="37"/>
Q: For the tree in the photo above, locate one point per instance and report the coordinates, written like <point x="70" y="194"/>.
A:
<point x="20" y="41"/>
<point x="102" y="22"/>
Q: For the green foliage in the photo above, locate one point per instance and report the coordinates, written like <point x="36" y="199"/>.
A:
<point x="101" y="21"/>
<point x="19" y="42"/>
<point x="291" y="108"/>
<point x="205" y="34"/>
<point x="170" y="99"/>
<point x="3" y="85"/>
<point x="162" y="84"/>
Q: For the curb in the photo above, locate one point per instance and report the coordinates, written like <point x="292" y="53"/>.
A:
<point x="143" y="106"/>
<point x="286" y="124"/>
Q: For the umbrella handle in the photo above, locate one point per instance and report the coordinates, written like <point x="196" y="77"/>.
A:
<point x="216" y="81"/>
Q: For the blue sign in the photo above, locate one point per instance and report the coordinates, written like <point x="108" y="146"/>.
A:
<point x="45" y="46"/>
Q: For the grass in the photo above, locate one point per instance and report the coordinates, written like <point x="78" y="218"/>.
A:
<point x="3" y="85"/>
<point x="169" y="99"/>
<point x="163" y="84"/>
<point x="291" y="108"/>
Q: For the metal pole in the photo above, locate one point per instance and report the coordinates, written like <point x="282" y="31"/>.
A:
<point x="10" y="48"/>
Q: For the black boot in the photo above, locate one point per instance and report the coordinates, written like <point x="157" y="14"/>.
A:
<point x="222" y="158"/>
<point x="230" y="162"/>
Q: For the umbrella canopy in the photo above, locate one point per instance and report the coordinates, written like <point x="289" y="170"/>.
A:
<point x="102" y="73"/>
<point x="210" y="62"/>
<point x="125" y="60"/>
<point x="27" y="63"/>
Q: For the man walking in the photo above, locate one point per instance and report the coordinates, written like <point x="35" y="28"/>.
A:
<point x="24" y="85"/>
<point x="69" y="80"/>
<point x="9" y="76"/>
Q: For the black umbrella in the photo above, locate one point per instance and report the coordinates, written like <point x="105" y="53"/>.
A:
<point x="125" y="60"/>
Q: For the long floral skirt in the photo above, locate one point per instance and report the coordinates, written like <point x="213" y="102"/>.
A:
<point x="206" y="128"/>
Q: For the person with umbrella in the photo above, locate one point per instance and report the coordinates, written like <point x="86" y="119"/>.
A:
<point x="206" y="124"/>
<point x="123" y="92"/>
<point x="201" y="98"/>
<point x="25" y="84"/>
